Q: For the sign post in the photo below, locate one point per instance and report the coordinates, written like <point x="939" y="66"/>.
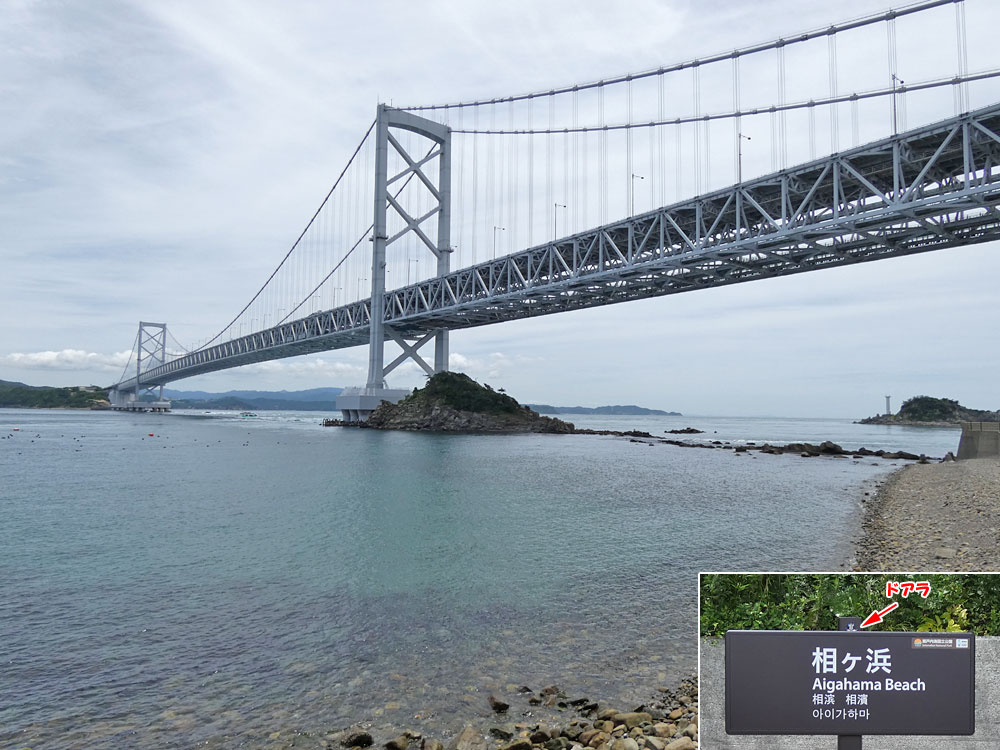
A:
<point x="849" y="683"/>
<point x="849" y="625"/>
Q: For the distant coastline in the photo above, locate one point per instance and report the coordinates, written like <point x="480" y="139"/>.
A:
<point x="21" y="395"/>
<point x="14" y="395"/>
<point x="628" y="410"/>
<point x="313" y="399"/>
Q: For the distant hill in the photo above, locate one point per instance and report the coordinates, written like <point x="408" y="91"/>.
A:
<point x="19" y="385"/>
<point x="930" y="411"/>
<point x="311" y="394"/>
<point x="20" y="395"/>
<point x="312" y="399"/>
<point x="628" y="410"/>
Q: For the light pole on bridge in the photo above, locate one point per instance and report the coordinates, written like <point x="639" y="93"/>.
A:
<point x="495" y="230"/>
<point x="739" y="157"/>
<point x="555" y="214"/>
<point x="895" y="79"/>
<point x="632" y="185"/>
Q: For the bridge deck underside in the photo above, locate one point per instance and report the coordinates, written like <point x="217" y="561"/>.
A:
<point x="927" y="189"/>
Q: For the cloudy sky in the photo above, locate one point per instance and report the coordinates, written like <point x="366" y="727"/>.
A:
<point x="157" y="159"/>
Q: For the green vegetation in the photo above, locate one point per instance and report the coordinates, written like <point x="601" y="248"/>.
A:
<point x="929" y="409"/>
<point x="812" y="601"/>
<point x="459" y="391"/>
<point x="26" y="396"/>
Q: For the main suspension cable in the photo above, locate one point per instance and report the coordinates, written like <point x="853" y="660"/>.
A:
<point x="353" y="247"/>
<point x="871" y="94"/>
<point x="178" y="343"/>
<point x="857" y="23"/>
<point x="129" y="362"/>
<point x="294" y="244"/>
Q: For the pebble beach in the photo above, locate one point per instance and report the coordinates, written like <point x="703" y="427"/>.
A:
<point x="521" y="718"/>
<point x="935" y="517"/>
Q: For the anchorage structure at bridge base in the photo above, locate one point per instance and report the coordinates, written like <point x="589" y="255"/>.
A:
<point x="357" y="404"/>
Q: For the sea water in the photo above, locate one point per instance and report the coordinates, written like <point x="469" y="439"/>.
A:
<point x="226" y="579"/>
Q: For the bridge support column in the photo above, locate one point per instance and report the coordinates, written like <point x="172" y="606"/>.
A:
<point x="388" y="195"/>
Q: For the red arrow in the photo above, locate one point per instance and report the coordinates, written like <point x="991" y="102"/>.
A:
<point x="876" y="617"/>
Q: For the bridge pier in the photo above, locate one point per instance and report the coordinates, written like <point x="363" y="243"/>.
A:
<point x="356" y="404"/>
<point x="129" y="401"/>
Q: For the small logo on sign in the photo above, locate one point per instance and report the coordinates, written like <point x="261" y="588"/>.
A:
<point x="939" y="642"/>
<point x="961" y="643"/>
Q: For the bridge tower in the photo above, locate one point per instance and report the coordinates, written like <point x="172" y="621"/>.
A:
<point x="357" y="403"/>
<point x="151" y="351"/>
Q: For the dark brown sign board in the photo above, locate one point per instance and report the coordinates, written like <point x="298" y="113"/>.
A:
<point x="850" y="683"/>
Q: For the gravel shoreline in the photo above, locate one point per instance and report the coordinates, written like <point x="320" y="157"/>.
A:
<point x="523" y="719"/>
<point x="934" y="517"/>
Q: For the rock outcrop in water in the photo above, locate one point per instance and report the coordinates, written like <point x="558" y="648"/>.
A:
<point x="454" y="402"/>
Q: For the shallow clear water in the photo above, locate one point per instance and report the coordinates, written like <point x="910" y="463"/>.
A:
<point x="228" y="578"/>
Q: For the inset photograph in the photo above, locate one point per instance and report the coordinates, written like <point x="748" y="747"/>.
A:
<point x="827" y="660"/>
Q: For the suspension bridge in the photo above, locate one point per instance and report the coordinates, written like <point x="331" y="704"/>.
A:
<point x="487" y="182"/>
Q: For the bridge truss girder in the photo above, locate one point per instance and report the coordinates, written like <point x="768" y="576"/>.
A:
<point x="926" y="189"/>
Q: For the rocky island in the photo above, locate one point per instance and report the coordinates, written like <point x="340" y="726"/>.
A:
<point x="454" y="402"/>
<point x="925" y="411"/>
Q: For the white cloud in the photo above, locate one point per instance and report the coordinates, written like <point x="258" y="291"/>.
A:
<point x="492" y="365"/>
<point x="67" y="359"/>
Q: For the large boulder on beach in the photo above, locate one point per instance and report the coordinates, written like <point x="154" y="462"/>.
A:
<point x="356" y="738"/>
<point x="632" y="719"/>
<point x="468" y="739"/>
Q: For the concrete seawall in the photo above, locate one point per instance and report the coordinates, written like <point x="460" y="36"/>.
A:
<point x="979" y="440"/>
<point x="712" y="724"/>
